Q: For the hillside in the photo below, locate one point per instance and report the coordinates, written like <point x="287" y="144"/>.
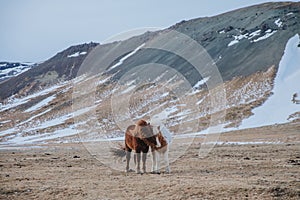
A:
<point x="91" y="92"/>
<point x="12" y="69"/>
<point x="61" y="67"/>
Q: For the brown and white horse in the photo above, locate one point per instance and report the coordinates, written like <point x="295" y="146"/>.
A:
<point x="138" y="138"/>
<point x="164" y="138"/>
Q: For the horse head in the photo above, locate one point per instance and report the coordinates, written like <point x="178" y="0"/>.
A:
<point x="144" y="131"/>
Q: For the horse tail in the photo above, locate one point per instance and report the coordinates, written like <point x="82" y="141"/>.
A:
<point x="118" y="151"/>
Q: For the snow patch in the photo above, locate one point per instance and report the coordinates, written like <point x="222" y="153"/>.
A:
<point x="128" y="89"/>
<point x="201" y="82"/>
<point x="77" y="54"/>
<point x="278" y="22"/>
<point x="35" y="116"/>
<point x="278" y="107"/>
<point x="14" y="102"/>
<point x="238" y="38"/>
<point x="254" y="34"/>
<point x="267" y="35"/>
<point x="21" y="140"/>
<point x="4" y="122"/>
<point x="17" y="69"/>
<point x="126" y="57"/>
<point x="233" y="43"/>
<point x="41" y="104"/>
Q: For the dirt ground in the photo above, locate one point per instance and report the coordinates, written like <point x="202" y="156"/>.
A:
<point x="268" y="167"/>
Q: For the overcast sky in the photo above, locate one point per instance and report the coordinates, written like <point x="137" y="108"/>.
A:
<point x="35" y="30"/>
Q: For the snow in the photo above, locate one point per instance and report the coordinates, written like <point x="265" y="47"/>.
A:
<point x="100" y="82"/>
<point x="14" y="71"/>
<point x="278" y="22"/>
<point x="35" y="116"/>
<point x="291" y="13"/>
<point x="163" y="115"/>
<point x="250" y="36"/>
<point x="14" y="102"/>
<point x="201" y="82"/>
<point x="126" y="57"/>
<point x="41" y="104"/>
<point x="164" y="94"/>
<point x="77" y="54"/>
<point x="21" y="140"/>
<point x="128" y="89"/>
<point x="8" y="131"/>
<point x="254" y="34"/>
<point x="233" y="43"/>
<point x="61" y="119"/>
<point x="267" y="35"/>
<point x="200" y="101"/>
<point x="278" y="107"/>
<point x="4" y="122"/>
<point x="238" y="38"/>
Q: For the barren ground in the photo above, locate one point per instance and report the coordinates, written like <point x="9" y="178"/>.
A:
<point x="231" y="171"/>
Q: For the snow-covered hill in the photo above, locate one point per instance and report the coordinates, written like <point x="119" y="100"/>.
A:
<point x="40" y="123"/>
<point x="259" y="65"/>
<point x="8" y="69"/>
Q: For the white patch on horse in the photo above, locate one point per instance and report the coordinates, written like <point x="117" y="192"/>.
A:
<point x="157" y="142"/>
<point x="163" y="151"/>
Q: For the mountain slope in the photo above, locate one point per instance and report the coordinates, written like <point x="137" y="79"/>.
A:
<point x="63" y="66"/>
<point x="8" y="69"/>
<point x="45" y="103"/>
<point x="247" y="40"/>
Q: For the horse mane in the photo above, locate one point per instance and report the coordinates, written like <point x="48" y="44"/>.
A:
<point x="141" y="122"/>
<point x="143" y="131"/>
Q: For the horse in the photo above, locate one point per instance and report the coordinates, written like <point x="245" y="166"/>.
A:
<point x="164" y="138"/>
<point x="138" y="138"/>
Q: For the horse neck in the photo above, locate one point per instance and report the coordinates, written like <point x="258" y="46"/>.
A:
<point x="162" y="140"/>
<point x="147" y="141"/>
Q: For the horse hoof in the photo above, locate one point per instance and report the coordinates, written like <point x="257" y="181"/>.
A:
<point x="154" y="172"/>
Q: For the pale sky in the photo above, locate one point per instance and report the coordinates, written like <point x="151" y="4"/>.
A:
<point x="35" y="30"/>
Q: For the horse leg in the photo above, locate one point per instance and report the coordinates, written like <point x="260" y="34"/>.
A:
<point x="153" y="168"/>
<point x="127" y="161"/>
<point x="166" y="157"/>
<point x="138" y="161"/>
<point x="157" y="170"/>
<point x="134" y="158"/>
<point x="144" y="157"/>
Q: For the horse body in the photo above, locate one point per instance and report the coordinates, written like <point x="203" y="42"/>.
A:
<point x="138" y="138"/>
<point x="164" y="138"/>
